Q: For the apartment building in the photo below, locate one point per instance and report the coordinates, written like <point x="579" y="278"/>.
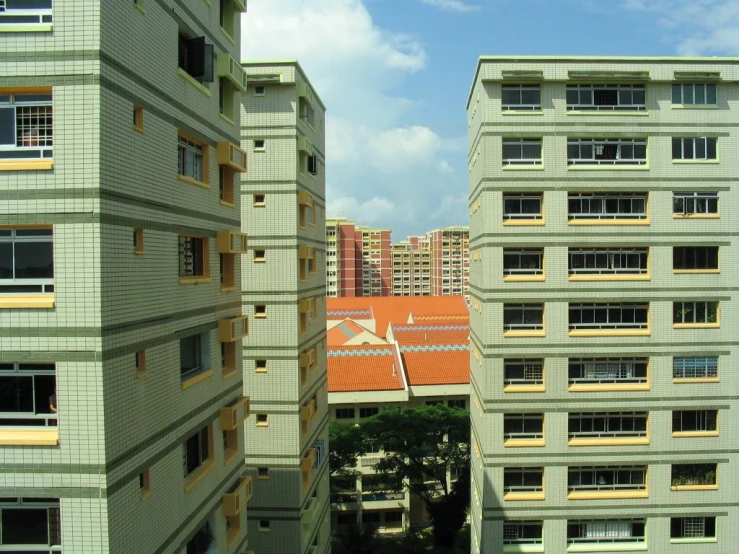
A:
<point x="603" y="309"/>
<point x="283" y="294"/>
<point x="411" y="270"/>
<point x="450" y="261"/>
<point x="120" y="424"/>
<point x="385" y="353"/>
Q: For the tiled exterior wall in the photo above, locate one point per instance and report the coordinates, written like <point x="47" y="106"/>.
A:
<point x="489" y="292"/>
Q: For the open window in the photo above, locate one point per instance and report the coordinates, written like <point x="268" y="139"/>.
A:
<point x="195" y="57"/>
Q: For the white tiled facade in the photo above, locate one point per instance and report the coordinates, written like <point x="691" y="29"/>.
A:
<point x="94" y="165"/>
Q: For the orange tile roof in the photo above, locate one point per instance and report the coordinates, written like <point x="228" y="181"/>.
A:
<point x="397" y="310"/>
<point x="446" y="336"/>
<point x="364" y="368"/>
<point x="436" y="364"/>
<point x="343" y="332"/>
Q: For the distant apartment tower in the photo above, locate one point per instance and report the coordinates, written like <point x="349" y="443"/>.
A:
<point x="411" y="270"/>
<point x="283" y="293"/>
<point x="603" y="307"/>
<point x="450" y="261"/>
<point x="120" y="422"/>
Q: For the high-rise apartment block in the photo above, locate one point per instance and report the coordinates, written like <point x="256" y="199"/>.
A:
<point x="450" y="261"/>
<point x="121" y="403"/>
<point x="283" y="292"/>
<point x="603" y="315"/>
<point x="411" y="270"/>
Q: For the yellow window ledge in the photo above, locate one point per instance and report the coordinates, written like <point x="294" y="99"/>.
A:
<point x="197" y="379"/>
<point x="607" y="495"/>
<point x="192" y="181"/>
<point x="696" y="325"/>
<point x="695" y="488"/>
<point x="35" y="301"/>
<point x="689" y="434"/>
<point x="524" y="388"/>
<point x="520" y="443"/>
<point x="26" y="27"/>
<point x="596" y="167"/>
<point x="608" y="547"/>
<point x="524" y="167"/>
<point x="695" y="271"/>
<point x="232" y="536"/>
<point x="698" y="540"/>
<point x="513" y="496"/>
<point x="194" y="280"/>
<point x="697" y="380"/>
<point x="522" y="278"/>
<point x="28" y="165"/>
<point x="138" y="129"/>
<point x="696" y="216"/>
<point x="608" y="441"/>
<point x="609" y="222"/>
<point x="43" y="437"/>
<point x="146" y="493"/>
<point x="522" y="222"/>
<point x="227" y="204"/>
<point x="611" y="333"/>
<point x="195" y="477"/>
<point x="694" y="106"/>
<point x="609" y="387"/>
<point x="228" y="289"/>
<point x="194" y="82"/>
<point x="634" y="277"/>
<point x="227" y="374"/>
<point x="699" y="162"/>
<point x="541" y="333"/>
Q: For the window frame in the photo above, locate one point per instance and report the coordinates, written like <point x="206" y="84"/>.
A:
<point x="607" y="426"/>
<point x="610" y="324"/>
<point x="682" y="202"/>
<point x="521" y="105"/>
<point x="627" y="479"/>
<point x="617" y="260"/>
<point x="614" y="371"/>
<point x="523" y="489"/>
<point x="582" y="91"/>
<point x="693" y="96"/>
<point x="519" y="532"/>
<point x="204" y="357"/>
<point x="200" y="271"/>
<point x="681" y="256"/>
<point x="53" y="522"/>
<point x="523" y="326"/>
<point x="519" y="217"/>
<point x="708" y="524"/>
<point x="706" y="422"/>
<point x="193" y="160"/>
<point x="47" y="420"/>
<point x="607" y="201"/>
<point x="620" y="152"/>
<point x="607" y="536"/>
<point x="517" y="270"/>
<point x="696" y="313"/>
<point x="682" y="145"/>
<point x="519" y="147"/>
<point x="40" y="147"/>
<point x="523" y="365"/>
<point x="685" y="370"/>
<point x="204" y="455"/>
<point x="531" y="424"/>
<point x="27" y="285"/>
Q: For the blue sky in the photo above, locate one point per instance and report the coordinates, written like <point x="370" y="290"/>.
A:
<point x="394" y="75"/>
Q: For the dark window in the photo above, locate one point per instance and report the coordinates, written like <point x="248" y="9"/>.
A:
<point x="695" y="257"/>
<point x="522" y="206"/>
<point x="694" y="93"/>
<point x="695" y="312"/>
<point x="692" y="203"/>
<point x="26" y="260"/>
<point x="196" y="58"/>
<point x="27" y="395"/>
<point x="368" y="412"/>
<point x="194" y="355"/>
<point x="27" y="522"/>
<point x="694" y="421"/>
<point x="26" y="124"/>
<point x="192" y="256"/>
<point x="695" y="148"/>
<point x="521" y="97"/>
<point x="201" y="541"/>
<point x="692" y="527"/>
<point x="197" y="449"/>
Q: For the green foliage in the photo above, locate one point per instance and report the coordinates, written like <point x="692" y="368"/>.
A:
<point x="347" y="442"/>
<point x="354" y="539"/>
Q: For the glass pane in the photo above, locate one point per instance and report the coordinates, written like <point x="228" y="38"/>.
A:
<point x="573" y="96"/>
<point x="189" y="353"/>
<point x="710" y="94"/>
<point x="45" y="388"/>
<point x="676" y="94"/>
<point x="700" y="94"/>
<point x="25" y="526"/>
<point x="6" y="260"/>
<point x="711" y="148"/>
<point x="688" y="94"/>
<point x="16" y="394"/>
<point x="7" y="126"/>
<point x="510" y="96"/>
<point x="530" y="97"/>
<point x="34" y="260"/>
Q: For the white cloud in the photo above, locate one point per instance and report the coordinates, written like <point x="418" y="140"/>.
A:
<point x="375" y="210"/>
<point x="696" y="27"/>
<point x="445" y="167"/>
<point x="452" y="5"/>
<point x="403" y="147"/>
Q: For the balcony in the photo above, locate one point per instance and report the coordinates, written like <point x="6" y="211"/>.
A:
<point x="606" y="535"/>
<point x="694" y="477"/>
<point x="601" y="482"/>
<point x="593" y="374"/>
<point x="608" y="319"/>
<point x="607" y="152"/>
<point x="607" y="428"/>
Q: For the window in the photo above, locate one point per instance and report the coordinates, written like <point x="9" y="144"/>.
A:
<point x="344" y="413"/>
<point x="202" y="542"/>
<point x="195" y="58"/>
<point x="228" y="16"/>
<point x="259" y="145"/>
<point x="262" y="473"/>
<point x="262" y="420"/>
<point x="312" y="164"/>
<point x="140" y="359"/>
<point x="693" y="475"/>
<point x="191" y="157"/>
<point x="307" y="113"/>
<point x="459" y="403"/>
<point x="695" y="148"/>
<point x="230" y="444"/>
<point x="694" y="93"/>
<point x="26" y="260"/>
<point x="694" y="421"/>
<point x="228" y="359"/>
<point x="27" y="395"/>
<point x="523" y="426"/>
<point x="198" y="450"/>
<point x="603" y="371"/>
<point x="604" y="478"/>
<point x="138" y="118"/>
<point x="260" y="255"/>
<point x="693" y="527"/>
<point x="259" y="91"/>
<point x="606" y="531"/>
<point x="30" y="522"/>
<point x="608" y="316"/>
<point x="612" y="151"/>
<point x="521" y="152"/>
<point x="260" y="311"/>
<point x="193" y="256"/>
<point x="260" y="366"/>
<point x="144" y="484"/>
<point x="523" y="317"/>
<point x="523" y="480"/>
<point x="607" y="425"/>
<point x="526" y="371"/>
<point x="22" y="12"/>
<point x="695" y="313"/>
<point x="227" y="271"/>
<point x="605" y="97"/>
<point x="368" y="412"/>
<point x="522" y="532"/>
<point x="26" y="131"/>
<point x="608" y="261"/>
<point x="695" y="203"/>
<point x="525" y="261"/>
<point x="226" y="93"/>
<point x="259" y="201"/>
<point x="690" y="367"/>
<point x="226" y="184"/>
<point x="138" y="241"/>
<point x="610" y="205"/>
<point x="194" y="355"/>
<point x="518" y="206"/>
<point x="521" y="97"/>
<point x="695" y="258"/>
<point x="264" y="524"/>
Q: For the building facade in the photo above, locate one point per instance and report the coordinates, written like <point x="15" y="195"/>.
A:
<point x="602" y="304"/>
<point x="120" y="425"/>
<point x="411" y="270"/>
<point x="283" y="293"/>
<point x="450" y="261"/>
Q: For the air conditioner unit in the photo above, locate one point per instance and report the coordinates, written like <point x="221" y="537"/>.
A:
<point x="231" y="242"/>
<point x="305" y="252"/>
<point x="235" y="501"/>
<point x="305" y="93"/>
<point x="228" y="68"/>
<point x="231" y="155"/>
<point x="233" y="416"/>
<point x="305" y="198"/>
<point x="233" y="329"/>
<point x="305" y="145"/>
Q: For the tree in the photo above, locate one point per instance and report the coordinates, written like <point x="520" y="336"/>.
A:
<point x="421" y="446"/>
<point x="348" y="442"/>
<point x="354" y="539"/>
